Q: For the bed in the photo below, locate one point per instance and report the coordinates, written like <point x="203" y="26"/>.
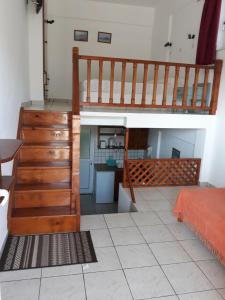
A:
<point x="94" y="92"/>
<point x="204" y="211"/>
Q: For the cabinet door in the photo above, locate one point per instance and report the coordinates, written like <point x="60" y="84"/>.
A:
<point x="138" y="138"/>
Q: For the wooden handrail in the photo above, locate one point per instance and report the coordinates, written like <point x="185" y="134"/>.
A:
<point x="142" y="61"/>
<point x="182" y="99"/>
<point x="129" y="182"/>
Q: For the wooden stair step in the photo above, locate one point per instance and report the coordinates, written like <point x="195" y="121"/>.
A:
<point x="46" y="133"/>
<point x="50" y="151"/>
<point x="45" y="117"/>
<point x="43" y="220"/>
<point x="42" y="195"/>
<point x="43" y="172"/>
<point x="41" y="211"/>
<point x="44" y="164"/>
<point x="44" y="186"/>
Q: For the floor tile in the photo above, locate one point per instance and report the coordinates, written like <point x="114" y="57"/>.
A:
<point x="214" y="271"/>
<point x="148" y="282"/>
<point x="169" y="192"/>
<point x="169" y="253"/>
<point x="107" y="261"/>
<point x="157" y="233"/>
<point x="186" y="278"/>
<point x="119" y="220"/>
<point x="181" y="232"/>
<point x="92" y="222"/>
<point x="222" y="292"/>
<point x="64" y="287"/>
<point x="133" y="256"/>
<point x="197" y="250"/>
<point x="126" y="236"/>
<point x="165" y="298"/>
<point x="160" y="205"/>
<point x="145" y="218"/>
<point x="62" y="270"/>
<point x="107" y="286"/>
<point x="20" y="275"/>
<point x="167" y="217"/>
<point x="24" y="290"/>
<point x="101" y="238"/>
<point x="207" y="295"/>
<point x="150" y="194"/>
<point x="142" y="205"/>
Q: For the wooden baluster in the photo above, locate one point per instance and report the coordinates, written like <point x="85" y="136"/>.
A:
<point x="176" y="80"/>
<point x="166" y="78"/>
<point x="100" y="81"/>
<point x="123" y="79"/>
<point x="133" y="95"/>
<point x="195" y="88"/>
<point x="156" y="75"/>
<point x="112" y="82"/>
<point x="185" y="94"/>
<point x="145" y="80"/>
<point x="205" y="88"/>
<point x="88" y="80"/>
<point x="76" y="95"/>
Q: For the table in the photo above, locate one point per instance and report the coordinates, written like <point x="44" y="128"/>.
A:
<point x="8" y="150"/>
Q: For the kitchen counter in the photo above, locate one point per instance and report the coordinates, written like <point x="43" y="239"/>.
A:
<point x="106" y="168"/>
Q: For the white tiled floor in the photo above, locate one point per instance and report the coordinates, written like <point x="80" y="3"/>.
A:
<point x="141" y="256"/>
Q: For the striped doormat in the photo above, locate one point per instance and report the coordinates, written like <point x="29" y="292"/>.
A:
<point x="48" y="250"/>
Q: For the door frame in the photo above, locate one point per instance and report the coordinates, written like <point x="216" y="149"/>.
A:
<point x="92" y="157"/>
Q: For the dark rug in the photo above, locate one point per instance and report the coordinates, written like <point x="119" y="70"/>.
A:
<point x="47" y="250"/>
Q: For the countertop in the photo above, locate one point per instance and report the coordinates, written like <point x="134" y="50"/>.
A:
<point x="106" y="168"/>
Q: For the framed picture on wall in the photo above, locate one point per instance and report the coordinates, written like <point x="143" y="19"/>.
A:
<point x="104" y="37"/>
<point x="81" y="35"/>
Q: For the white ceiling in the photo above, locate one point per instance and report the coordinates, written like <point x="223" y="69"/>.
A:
<point x="147" y="3"/>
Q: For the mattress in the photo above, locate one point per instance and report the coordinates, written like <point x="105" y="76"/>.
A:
<point x="138" y="95"/>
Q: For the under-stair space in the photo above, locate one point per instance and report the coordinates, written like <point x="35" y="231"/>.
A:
<point x="43" y="191"/>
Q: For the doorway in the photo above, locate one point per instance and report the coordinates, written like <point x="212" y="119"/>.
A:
<point x="86" y="160"/>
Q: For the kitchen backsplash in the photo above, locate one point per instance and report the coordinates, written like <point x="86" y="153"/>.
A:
<point x="101" y="155"/>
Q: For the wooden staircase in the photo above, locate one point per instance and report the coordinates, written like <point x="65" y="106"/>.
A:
<point x="44" y="200"/>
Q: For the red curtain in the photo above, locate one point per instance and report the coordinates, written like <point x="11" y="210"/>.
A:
<point x="206" y="52"/>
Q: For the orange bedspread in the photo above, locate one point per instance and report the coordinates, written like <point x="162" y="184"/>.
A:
<point x="204" y="211"/>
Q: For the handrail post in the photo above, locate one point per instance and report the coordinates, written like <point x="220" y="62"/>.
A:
<point x="126" y="144"/>
<point x="76" y="96"/>
<point x="216" y="86"/>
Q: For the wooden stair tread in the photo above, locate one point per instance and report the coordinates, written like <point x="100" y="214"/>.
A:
<point x="50" y="127"/>
<point x="42" y="212"/>
<point x="43" y="187"/>
<point x="40" y="165"/>
<point x="58" y="144"/>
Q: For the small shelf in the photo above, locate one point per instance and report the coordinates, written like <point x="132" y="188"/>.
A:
<point x="115" y="134"/>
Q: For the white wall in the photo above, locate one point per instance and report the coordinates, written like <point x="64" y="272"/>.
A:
<point x="186" y="20"/>
<point x="35" y="44"/>
<point x="221" y="35"/>
<point x="14" y="78"/>
<point x="217" y="158"/>
<point x="182" y="140"/>
<point x="14" y="81"/>
<point x="131" y="28"/>
<point x="173" y="21"/>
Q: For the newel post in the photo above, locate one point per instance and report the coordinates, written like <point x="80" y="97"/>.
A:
<point x="216" y="86"/>
<point x="126" y="145"/>
<point x="76" y="96"/>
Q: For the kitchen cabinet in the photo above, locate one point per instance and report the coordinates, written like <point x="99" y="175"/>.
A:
<point x="138" y="138"/>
